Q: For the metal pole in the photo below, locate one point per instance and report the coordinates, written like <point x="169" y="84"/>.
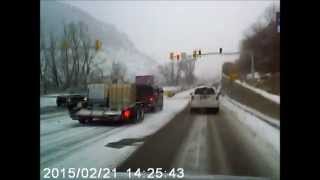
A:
<point x="172" y="73"/>
<point x="252" y="65"/>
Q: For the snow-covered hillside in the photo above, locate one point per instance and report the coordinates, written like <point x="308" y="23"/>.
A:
<point x="116" y="46"/>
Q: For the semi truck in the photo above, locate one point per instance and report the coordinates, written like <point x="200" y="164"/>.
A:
<point x="109" y="102"/>
<point x="148" y="93"/>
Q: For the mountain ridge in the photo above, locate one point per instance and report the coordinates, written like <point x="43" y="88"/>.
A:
<point x="116" y="45"/>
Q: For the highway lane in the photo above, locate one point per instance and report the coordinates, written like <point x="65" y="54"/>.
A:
<point x="204" y="143"/>
<point x="61" y="136"/>
<point x="67" y="143"/>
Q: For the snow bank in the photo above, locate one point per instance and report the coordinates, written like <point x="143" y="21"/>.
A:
<point x="272" y="97"/>
<point x="46" y="101"/>
<point x="270" y="134"/>
<point x="272" y="121"/>
<point x="171" y="88"/>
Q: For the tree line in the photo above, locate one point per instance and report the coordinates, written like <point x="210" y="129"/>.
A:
<point x="262" y="42"/>
<point x="178" y="73"/>
<point x="68" y="61"/>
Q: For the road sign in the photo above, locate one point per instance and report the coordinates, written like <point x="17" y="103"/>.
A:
<point x="234" y="76"/>
<point x="98" y="45"/>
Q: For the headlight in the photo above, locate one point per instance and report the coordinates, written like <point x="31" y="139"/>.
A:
<point x="69" y="100"/>
<point x="85" y="99"/>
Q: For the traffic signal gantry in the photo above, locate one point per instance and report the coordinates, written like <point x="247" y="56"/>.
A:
<point x="97" y="46"/>
<point x="196" y="53"/>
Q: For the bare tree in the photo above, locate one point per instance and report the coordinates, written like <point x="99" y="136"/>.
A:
<point x="68" y="61"/>
<point x="188" y="67"/>
<point x="165" y="71"/>
<point x="43" y="64"/>
<point x="118" y="72"/>
<point x="53" y="60"/>
<point x="263" y="43"/>
<point x="87" y="52"/>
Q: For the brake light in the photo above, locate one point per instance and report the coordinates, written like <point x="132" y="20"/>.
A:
<point x="126" y="113"/>
<point x="151" y="99"/>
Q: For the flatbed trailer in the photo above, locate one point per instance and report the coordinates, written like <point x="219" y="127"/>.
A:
<point x="113" y="103"/>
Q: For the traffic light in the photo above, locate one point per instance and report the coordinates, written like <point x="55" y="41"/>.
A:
<point x="171" y="56"/>
<point x="220" y="50"/>
<point x="199" y="52"/>
<point x="98" y="45"/>
<point x="178" y="57"/>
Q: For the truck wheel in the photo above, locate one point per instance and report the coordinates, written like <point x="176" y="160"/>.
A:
<point x="138" y="116"/>
<point x="82" y="121"/>
<point x="142" y="115"/>
<point x="153" y="109"/>
<point x="217" y="110"/>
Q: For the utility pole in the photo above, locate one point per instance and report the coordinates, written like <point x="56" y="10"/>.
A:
<point x="172" y="73"/>
<point x="252" y="65"/>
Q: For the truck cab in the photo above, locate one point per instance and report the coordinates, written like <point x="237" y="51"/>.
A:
<point x="150" y="96"/>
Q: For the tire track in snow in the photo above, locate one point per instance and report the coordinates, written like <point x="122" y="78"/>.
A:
<point x="58" y="151"/>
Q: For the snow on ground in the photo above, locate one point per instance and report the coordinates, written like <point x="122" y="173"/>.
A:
<point x="268" y="133"/>
<point x="46" y="101"/>
<point x="171" y="88"/>
<point x="274" y="122"/>
<point x="99" y="155"/>
<point x="272" y="97"/>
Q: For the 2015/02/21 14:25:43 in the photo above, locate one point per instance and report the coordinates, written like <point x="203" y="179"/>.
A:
<point x="156" y="173"/>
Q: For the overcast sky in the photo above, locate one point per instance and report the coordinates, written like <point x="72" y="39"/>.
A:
<point x="159" y="27"/>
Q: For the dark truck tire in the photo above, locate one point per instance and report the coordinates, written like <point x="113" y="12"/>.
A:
<point x="142" y="114"/>
<point x="82" y="121"/>
<point x="139" y="115"/>
<point x="217" y="110"/>
<point x="161" y="107"/>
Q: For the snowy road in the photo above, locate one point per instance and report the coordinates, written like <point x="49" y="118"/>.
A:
<point x="210" y="144"/>
<point x="65" y="143"/>
<point x="229" y="143"/>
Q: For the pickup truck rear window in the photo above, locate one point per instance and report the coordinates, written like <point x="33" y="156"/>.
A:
<point x="204" y="91"/>
<point x="144" y="91"/>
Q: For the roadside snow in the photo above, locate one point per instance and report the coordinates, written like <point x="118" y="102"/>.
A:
<point x="46" y="101"/>
<point x="272" y="97"/>
<point x="172" y="88"/>
<point x="270" y="120"/>
<point x="268" y="133"/>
